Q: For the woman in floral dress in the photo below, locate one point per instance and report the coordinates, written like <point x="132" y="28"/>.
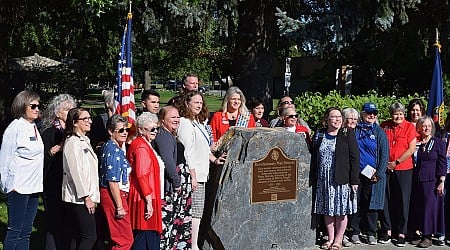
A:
<point x="335" y="176"/>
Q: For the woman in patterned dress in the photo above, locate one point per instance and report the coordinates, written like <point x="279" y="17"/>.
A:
<point x="334" y="176"/>
<point x="176" y="203"/>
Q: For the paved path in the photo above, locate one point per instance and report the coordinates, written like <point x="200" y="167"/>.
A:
<point x="385" y="247"/>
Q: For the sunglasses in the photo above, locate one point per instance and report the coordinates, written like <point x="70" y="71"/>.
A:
<point x="292" y="116"/>
<point x="155" y="129"/>
<point x="372" y="112"/>
<point x="123" y="130"/>
<point x="34" y="106"/>
<point x="288" y="102"/>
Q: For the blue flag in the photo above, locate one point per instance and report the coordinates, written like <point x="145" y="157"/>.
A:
<point x="435" y="107"/>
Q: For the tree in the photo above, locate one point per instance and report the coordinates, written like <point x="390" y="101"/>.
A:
<point x="392" y="37"/>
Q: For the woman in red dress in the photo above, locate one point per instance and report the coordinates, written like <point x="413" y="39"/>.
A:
<point x="145" y="192"/>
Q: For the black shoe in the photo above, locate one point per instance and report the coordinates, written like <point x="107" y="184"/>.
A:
<point x="440" y="243"/>
<point x="400" y="242"/>
<point x="384" y="239"/>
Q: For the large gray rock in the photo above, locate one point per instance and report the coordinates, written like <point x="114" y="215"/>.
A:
<point x="240" y="224"/>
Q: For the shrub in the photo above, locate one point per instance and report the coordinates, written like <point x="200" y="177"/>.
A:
<point x="312" y="106"/>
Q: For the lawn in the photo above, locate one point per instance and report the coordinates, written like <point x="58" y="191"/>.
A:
<point x="94" y="101"/>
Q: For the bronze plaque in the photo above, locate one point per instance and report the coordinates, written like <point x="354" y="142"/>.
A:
<point x="274" y="178"/>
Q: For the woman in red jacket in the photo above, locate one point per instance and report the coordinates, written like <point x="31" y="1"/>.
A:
<point x="145" y="192"/>
<point x="233" y="113"/>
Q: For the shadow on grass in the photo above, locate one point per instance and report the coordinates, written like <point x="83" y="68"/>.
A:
<point x="37" y="240"/>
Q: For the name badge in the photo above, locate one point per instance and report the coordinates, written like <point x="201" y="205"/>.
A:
<point x="32" y="138"/>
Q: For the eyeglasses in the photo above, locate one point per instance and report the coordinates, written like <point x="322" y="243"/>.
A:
<point x="151" y="130"/>
<point x="292" y="116"/>
<point x="123" y="130"/>
<point x="34" y="106"/>
<point x="351" y="119"/>
<point x="372" y="112"/>
<point x="287" y="102"/>
<point x="85" y="119"/>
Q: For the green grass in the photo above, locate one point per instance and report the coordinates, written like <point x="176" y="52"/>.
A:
<point x="94" y="102"/>
<point x="37" y="240"/>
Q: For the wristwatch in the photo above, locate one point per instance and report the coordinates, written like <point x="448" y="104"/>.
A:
<point x="397" y="162"/>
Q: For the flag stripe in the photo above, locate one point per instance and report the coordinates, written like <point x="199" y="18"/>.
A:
<point x="124" y="90"/>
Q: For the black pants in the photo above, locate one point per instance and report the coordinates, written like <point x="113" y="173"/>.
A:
<point x="81" y="228"/>
<point x="54" y="219"/>
<point x="366" y="218"/>
<point x="396" y="205"/>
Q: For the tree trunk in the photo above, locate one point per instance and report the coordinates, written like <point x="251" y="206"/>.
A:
<point x="254" y="53"/>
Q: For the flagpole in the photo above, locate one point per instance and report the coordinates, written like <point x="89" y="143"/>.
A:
<point x="437" y="44"/>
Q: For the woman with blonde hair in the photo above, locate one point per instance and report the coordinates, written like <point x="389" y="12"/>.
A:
<point x="233" y="113"/>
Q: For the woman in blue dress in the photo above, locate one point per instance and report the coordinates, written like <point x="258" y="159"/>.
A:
<point x="334" y="176"/>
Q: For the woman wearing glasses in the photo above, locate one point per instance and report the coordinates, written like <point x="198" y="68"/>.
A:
<point x="286" y="102"/>
<point x="80" y="186"/>
<point x="194" y="136"/>
<point x="115" y="185"/>
<point x="374" y="153"/>
<point x="334" y="176"/>
<point x="144" y="199"/>
<point x="21" y="169"/>
<point x="54" y="124"/>
<point x="290" y="121"/>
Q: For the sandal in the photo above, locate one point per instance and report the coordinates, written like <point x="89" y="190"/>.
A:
<point x="336" y="246"/>
<point x="326" y="245"/>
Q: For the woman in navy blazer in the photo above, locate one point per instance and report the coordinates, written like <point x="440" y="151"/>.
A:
<point x="428" y="183"/>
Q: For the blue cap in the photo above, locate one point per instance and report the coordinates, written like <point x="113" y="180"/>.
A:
<point x="369" y="107"/>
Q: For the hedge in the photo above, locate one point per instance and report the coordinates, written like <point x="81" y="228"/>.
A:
<point x="311" y="106"/>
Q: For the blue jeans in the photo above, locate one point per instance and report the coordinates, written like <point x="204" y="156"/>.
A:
<point x="22" y="209"/>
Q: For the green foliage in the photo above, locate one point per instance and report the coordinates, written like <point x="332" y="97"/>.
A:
<point x="312" y="106"/>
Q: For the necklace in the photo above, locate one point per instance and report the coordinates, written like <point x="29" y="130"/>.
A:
<point x="232" y="115"/>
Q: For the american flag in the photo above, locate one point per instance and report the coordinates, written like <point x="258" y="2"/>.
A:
<point x="124" y="91"/>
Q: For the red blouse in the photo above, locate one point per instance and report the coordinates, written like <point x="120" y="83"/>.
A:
<point x="399" y="136"/>
<point x="220" y="124"/>
<point x="144" y="180"/>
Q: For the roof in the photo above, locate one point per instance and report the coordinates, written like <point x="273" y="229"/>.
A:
<point x="33" y="63"/>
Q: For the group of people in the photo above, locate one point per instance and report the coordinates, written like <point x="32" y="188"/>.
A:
<point x="105" y="182"/>
<point x="143" y="186"/>
<point x="364" y="173"/>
